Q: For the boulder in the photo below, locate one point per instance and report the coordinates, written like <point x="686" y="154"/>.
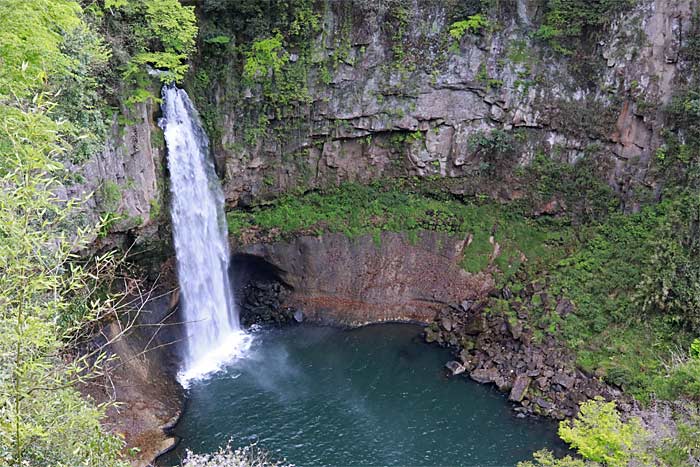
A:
<point x="545" y="404"/>
<point x="455" y="367"/>
<point x="520" y="387"/>
<point x="485" y="375"/>
<point x="446" y="324"/>
<point x="564" y="380"/>
<point x="475" y="325"/>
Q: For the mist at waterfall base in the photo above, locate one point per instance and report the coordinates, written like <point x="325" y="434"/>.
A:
<point x="214" y="335"/>
<point x="376" y="395"/>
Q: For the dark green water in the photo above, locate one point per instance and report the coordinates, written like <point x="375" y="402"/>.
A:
<point x="371" y="396"/>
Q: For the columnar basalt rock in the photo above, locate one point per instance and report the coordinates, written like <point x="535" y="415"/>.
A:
<point x="377" y="115"/>
<point x="338" y="280"/>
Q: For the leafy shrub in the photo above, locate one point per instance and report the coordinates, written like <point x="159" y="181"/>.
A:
<point x="598" y="434"/>
<point x="567" y="20"/>
<point x="266" y="57"/>
<point x="545" y="458"/>
<point x="47" y="46"/>
<point x="671" y="282"/>
<point x="695" y="349"/>
<point x="683" y="376"/>
<point x="473" y="24"/>
<point x="157" y="33"/>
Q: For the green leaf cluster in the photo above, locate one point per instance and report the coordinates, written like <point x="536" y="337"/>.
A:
<point x="46" y="46"/>
<point x="568" y="21"/>
<point x="265" y="59"/>
<point x="159" y="36"/>
<point x="601" y="437"/>
<point x="598" y="434"/>
<point x="472" y="24"/>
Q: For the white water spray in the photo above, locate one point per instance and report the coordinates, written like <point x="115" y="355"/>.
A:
<point x="214" y="335"/>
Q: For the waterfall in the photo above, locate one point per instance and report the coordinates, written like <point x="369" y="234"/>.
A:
<point x="214" y="336"/>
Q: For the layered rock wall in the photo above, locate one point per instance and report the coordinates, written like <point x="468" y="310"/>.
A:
<point x="338" y="280"/>
<point x="419" y="102"/>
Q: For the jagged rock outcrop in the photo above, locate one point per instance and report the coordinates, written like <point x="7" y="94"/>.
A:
<point x="126" y="180"/>
<point x="537" y="371"/>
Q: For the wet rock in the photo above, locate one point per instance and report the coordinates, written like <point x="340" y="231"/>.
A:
<point x="455" y="367"/>
<point x="485" y="375"/>
<point x="520" y="387"/>
<point x="260" y="302"/>
<point x="299" y="316"/>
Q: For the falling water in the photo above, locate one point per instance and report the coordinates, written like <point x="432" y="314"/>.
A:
<point x="214" y="336"/>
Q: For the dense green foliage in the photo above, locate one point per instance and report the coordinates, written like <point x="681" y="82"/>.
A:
<point x="474" y="23"/>
<point x="152" y="35"/>
<point x="44" y="419"/>
<point x="603" y="439"/>
<point x="405" y="206"/>
<point x="567" y="22"/>
<point x="627" y="287"/>
<point x="46" y="46"/>
<point x="545" y="458"/>
<point x="261" y="52"/>
<point x="53" y="65"/>
<point x="598" y="434"/>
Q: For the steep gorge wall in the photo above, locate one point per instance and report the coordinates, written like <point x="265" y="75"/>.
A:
<point x="381" y="89"/>
<point x="386" y="91"/>
<point x="337" y="280"/>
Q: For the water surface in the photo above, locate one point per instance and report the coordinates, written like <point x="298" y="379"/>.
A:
<point x="372" y="396"/>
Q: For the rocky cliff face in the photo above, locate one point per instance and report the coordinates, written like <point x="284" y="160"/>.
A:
<point x="381" y="91"/>
<point x="337" y="280"/>
<point x="126" y="180"/>
<point x="387" y="91"/>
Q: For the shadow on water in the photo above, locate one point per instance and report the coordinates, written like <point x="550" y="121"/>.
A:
<point x="377" y="395"/>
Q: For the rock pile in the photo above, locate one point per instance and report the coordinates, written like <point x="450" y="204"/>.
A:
<point x="494" y="346"/>
<point x="260" y="302"/>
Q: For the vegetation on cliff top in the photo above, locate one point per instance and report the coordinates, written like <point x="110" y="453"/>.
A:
<point x="403" y="206"/>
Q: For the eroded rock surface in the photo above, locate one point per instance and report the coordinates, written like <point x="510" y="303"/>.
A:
<point x="338" y="280"/>
<point x="140" y="378"/>
<point x="420" y="105"/>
